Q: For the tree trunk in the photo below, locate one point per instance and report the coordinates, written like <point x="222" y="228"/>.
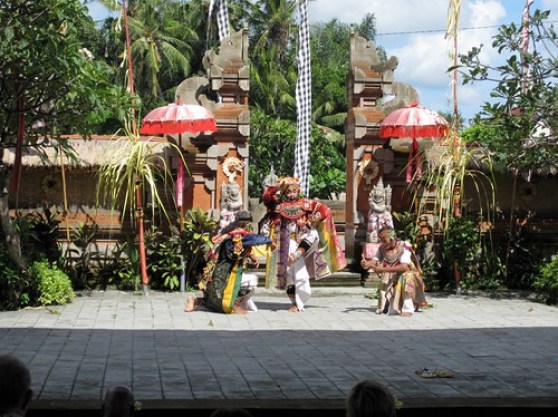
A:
<point x="11" y="235"/>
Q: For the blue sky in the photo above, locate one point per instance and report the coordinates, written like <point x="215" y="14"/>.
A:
<point x="413" y="30"/>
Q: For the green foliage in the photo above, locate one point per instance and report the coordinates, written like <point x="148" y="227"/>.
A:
<point x="546" y="283"/>
<point x="523" y="253"/>
<point x="134" y="163"/>
<point x="16" y="289"/>
<point x="520" y="103"/>
<point x="455" y="173"/>
<point x="196" y="242"/>
<point x="79" y="262"/>
<point x="273" y="140"/>
<point x="461" y="245"/>
<point x="119" y="267"/>
<point x="126" y="270"/>
<point x="38" y="232"/>
<point x="164" y="264"/>
<point x="45" y="66"/>
<point x="54" y="286"/>
<point x="327" y="165"/>
<point x="405" y="226"/>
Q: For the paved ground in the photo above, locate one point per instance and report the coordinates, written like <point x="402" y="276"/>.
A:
<point x="501" y="351"/>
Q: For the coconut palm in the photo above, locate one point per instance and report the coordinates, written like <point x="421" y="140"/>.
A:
<point x="272" y="22"/>
<point x="162" y="42"/>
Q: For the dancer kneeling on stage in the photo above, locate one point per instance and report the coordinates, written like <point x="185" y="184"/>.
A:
<point x="226" y="288"/>
<point x="401" y="287"/>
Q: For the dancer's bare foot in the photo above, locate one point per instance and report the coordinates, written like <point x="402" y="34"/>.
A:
<point x="406" y="314"/>
<point x="294" y="309"/>
<point x="190" y="304"/>
<point x="240" y="310"/>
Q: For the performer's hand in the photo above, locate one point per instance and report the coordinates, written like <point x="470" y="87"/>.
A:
<point x="293" y="257"/>
<point x="364" y="263"/>
<point x="255" y="261"/>
<point x="220" y="238"/>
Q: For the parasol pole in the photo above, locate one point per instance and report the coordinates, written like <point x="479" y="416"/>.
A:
<point x="139" y="188"/>
<point x="180" y="202"/>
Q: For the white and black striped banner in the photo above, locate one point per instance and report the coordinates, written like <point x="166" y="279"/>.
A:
<point x="222" y="17"/>
<point x="303" y="100"/>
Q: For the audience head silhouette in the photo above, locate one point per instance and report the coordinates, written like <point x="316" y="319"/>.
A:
<point x="230" y="412"/>
<point x="15" y="386"/>
<point x="370" y="399"/>
<point x="119" y="402"/>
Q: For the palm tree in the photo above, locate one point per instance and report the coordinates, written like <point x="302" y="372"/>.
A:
<point x="273" y="86"/>
<point x="163" y="44"/>
<point x="272" y="22"/>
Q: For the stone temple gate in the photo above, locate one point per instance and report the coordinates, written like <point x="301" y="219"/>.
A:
<point x="219" y="162"/>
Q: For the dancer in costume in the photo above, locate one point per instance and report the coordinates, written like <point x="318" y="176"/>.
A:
<point x="226" y="288"/>
<point x="304" y="241"/>
<point x="401" y="288"/>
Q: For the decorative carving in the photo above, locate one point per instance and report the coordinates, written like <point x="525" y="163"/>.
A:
<point x="370" y="170"/>
<point x="379" y="213"/>
<point x="232" y="167"/>
<point x="231" y="203"/>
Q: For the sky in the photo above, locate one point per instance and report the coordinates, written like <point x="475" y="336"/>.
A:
<point x="413" y="31"/>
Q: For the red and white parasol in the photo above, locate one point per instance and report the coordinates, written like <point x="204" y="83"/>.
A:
<point x="413" y="121"/>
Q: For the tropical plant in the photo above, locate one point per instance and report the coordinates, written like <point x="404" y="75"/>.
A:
<point x="274" y="141"/>
<point x="164" y="258"/>
<point x="54" y="286"/>
<point x="160" y="43"/>
<point x="38" y="233"/>
<point x="272" y="23"/>
<point x="524" y="97"/>
<point x="546" y="283"/>
<point x="455" y="173"/>
<point x="16" y="288"/>
<point x="134" y="164"/>
<point x="330" y="46"/>
<point x="48" y="77"/>
<point x="461" y="249"/>
<point x="126" y="270"/>
<point x="272" y="85"/>
<point x="406" y="226"/>
<point x="79" y="263"/>
<point x="196" y="243"/>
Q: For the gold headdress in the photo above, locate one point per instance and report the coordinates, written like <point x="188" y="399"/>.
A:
<point x="285" y="182"/>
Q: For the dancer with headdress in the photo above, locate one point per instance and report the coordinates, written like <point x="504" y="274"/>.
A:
<point x="304" y="241"/>
<point x="226" y="288"/>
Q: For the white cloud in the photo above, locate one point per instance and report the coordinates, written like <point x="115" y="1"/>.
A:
<point x="413" y="30"/>
<point x="549" y="4"/>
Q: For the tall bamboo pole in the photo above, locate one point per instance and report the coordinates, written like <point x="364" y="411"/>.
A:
<point x="139" y="188"/>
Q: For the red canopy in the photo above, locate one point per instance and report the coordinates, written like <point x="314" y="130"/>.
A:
<point x="178" y="118"/>
<point x="413" y="121"/>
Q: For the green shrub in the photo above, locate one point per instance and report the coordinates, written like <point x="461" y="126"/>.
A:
<point x="16" y="288"/>
<point x="54" y="285"/>
<point x="546" y="283"/>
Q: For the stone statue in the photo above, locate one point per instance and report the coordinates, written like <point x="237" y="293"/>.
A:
<point x="269" y="180"/>
<point x="425" y="242"/>
<point x="379" y="212"/>
<point x="231" y="203"/>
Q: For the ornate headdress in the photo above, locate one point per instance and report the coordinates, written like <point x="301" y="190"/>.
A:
<point x="285" y="182"/>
